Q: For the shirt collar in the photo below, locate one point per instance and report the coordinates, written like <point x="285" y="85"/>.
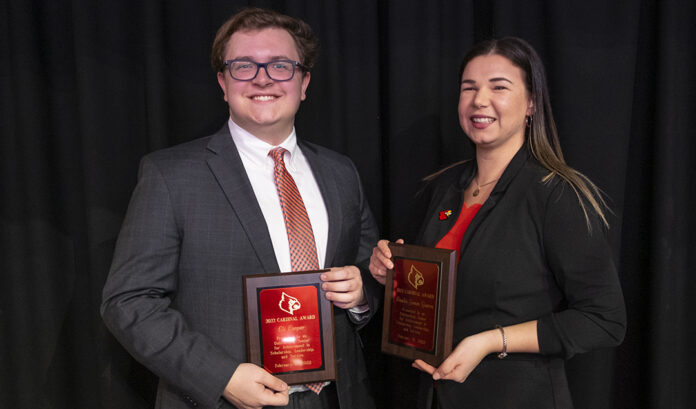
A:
<point x="256" y="150"/>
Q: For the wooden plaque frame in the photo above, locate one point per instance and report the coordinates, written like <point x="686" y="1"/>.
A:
<point x="253" y="284"/>
<point x="445" y="261"/>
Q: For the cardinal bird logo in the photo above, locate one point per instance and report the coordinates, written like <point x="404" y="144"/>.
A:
<point x="289" y="304"/>
<point x="415" y="278"/>
<point x="445" y="214"/>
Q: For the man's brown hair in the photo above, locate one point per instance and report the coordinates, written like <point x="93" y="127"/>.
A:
<point x="254" y="18"/>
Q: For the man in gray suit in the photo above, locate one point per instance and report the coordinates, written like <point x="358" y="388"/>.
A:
<point x="207" y="212"/>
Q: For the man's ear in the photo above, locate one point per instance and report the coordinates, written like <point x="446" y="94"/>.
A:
<point x="305" y="84"/>
<point x="221" y="82"/>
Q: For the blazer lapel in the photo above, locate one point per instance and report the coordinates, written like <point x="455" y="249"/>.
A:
<point x="229" y="171"/>
<point x="323" y="174"/>
<point x="508" y="175"/>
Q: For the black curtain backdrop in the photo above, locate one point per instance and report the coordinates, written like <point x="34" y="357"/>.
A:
<point x="88" y="87"/>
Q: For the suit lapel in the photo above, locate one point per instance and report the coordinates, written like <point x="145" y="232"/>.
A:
<point x="323" y="174"/>
<point x="229" y="171"/>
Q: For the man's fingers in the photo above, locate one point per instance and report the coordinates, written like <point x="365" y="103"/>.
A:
<point x="275" y="392"/>
<point x="340" y="274"/>
<point x="271" y="398"/>
<point x="343" y="297"/>
<point x="271" y="382"/>
<point x="341" y="286"/>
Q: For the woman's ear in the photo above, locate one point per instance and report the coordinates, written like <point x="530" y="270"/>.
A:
<point x="530" y="108"/>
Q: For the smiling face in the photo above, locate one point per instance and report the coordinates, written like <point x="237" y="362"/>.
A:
<point x="263" y="107"/>
<point x="493" y="102"/>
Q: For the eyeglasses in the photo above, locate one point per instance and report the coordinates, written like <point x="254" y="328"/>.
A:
<point x="247" y="70"/>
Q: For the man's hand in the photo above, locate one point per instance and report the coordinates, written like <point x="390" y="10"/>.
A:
<point x="251" y="387"/>
<point x="343" y="286"/>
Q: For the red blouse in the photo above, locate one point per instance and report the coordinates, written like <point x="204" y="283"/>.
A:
<point x="453" y="239"/>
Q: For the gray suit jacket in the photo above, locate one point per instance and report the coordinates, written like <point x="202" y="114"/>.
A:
<point x="173" y="297"/>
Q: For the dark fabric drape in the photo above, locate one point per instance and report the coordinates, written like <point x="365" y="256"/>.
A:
<point x="88" y="87"/>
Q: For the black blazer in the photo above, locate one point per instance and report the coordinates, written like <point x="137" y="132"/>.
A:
<point x="173" y="297"/>
<point x="527" y="255"/>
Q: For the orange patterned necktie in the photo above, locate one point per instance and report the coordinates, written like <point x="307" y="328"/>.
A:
<point x="303" y="250"/>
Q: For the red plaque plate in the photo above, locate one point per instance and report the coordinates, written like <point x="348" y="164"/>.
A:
<point x="414" y="303"/>
<point x="290" y="326"/>
<point x="419" y="303"/>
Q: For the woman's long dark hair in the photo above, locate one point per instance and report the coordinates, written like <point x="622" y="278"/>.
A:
<point x="541" y="136"/>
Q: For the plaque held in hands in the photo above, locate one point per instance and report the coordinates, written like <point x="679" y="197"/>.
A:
<point x="289" y="326"/>
<point x="419" y="303"/>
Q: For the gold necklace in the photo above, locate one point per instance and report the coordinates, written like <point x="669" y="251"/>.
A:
<point x="478" y="187"/>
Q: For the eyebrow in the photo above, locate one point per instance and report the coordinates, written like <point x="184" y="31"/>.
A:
<point x="273" y="58"/>
<point x="496" y="79"/>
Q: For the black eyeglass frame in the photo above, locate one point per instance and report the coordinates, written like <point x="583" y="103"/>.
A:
<point x="259" y="65"/>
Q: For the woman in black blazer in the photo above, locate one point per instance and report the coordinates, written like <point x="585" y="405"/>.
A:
<point x="536" y="283"/>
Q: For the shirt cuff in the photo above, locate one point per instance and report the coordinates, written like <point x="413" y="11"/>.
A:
<point x="359" y="313"/>
<point x="360" y="309"/>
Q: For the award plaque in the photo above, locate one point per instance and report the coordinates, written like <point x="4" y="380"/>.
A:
<point x="419" y="303"/>
<point x="289" y="326"/>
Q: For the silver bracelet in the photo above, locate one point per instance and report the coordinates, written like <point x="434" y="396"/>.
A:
<point x="502" y="354"/>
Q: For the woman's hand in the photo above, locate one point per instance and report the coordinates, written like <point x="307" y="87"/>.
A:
<point x="380" y="260"/>
<point x="465" y="357"/>
<point x="472" y="349"/>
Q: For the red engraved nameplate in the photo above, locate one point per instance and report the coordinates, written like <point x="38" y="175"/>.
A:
<point x="414" y="303"/>
<point x="290" y="329"/>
